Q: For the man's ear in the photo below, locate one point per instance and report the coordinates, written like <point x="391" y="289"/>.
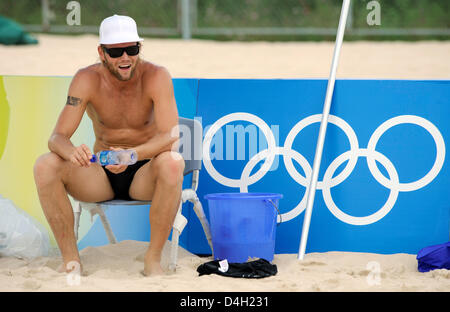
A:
<point x="101" y="53"/>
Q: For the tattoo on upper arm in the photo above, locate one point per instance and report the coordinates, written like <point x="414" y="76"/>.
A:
<point x="74" y="101"/>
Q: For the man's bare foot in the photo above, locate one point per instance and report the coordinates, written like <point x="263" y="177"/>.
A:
<point x="152" y="269"/>
<point x="152" y="264"/>
<point x="71" y="266"/>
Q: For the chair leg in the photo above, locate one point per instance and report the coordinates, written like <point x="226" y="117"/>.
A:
<point x="191" y="195"/>
<point x="106" y="225"/>
<point x="179" y="224"/>
<point x="198" y="208"/>
<point x="76" y="215"/>
<point x="174" y="250"/>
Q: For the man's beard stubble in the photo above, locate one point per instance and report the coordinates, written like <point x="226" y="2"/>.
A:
<point x="115" y="71"/>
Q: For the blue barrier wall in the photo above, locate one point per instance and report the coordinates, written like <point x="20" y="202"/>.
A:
<point x="384" y="178"/>
<point x="400" y="126"/>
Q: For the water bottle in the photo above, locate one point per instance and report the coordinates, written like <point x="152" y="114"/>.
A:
<point x="124" y="157"/>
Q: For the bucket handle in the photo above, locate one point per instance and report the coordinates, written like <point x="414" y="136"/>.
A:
<point x="278" y="211"/>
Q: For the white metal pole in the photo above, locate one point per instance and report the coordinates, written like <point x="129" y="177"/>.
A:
<point x="185" y="20"/>
<point x="45" y="11"/>
<point x="323" y="128"/>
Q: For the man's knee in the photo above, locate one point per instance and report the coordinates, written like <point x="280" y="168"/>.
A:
<point x="170" y="167"/>
<point x="46" y="167"/>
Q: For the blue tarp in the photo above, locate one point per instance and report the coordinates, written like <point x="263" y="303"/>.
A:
<point x="434" y="257"/>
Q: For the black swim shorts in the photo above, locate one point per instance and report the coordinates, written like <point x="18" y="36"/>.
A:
<point x="121" y="182"/>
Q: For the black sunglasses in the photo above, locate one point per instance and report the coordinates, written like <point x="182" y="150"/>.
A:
<point x="118" y="52"/>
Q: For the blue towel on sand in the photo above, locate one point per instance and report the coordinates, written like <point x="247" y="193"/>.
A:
<point x="434" y="257"/>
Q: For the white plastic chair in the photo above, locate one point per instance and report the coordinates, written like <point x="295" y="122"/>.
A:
<point x="191" y="150"/>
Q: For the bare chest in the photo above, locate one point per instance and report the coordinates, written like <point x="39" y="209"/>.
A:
<point x="124" y="109"/>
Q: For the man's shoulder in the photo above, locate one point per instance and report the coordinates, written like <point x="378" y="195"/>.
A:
<point x="154" y="74"/>
<point x="90" y="72"/>
<point x="88" y="77"/>
<point x="152" y="70"/>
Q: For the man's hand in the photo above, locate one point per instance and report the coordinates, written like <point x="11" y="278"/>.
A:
<point x="116" y="168"/>
<point x="81" y="156"/>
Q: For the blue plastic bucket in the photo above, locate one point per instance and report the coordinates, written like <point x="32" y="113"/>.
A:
<point x="243" y="225"/>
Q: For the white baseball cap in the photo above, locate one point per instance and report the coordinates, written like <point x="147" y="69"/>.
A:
<point x="118" y="29"/>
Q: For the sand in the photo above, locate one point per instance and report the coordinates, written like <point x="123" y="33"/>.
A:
<point x="64" y="55"/>
<point x="118" y="267"/>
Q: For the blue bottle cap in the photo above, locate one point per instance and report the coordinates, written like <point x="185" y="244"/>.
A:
<point x="94" y="158"/>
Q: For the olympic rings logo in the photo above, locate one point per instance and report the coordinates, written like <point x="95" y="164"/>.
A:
<point x="392" y="183"/>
